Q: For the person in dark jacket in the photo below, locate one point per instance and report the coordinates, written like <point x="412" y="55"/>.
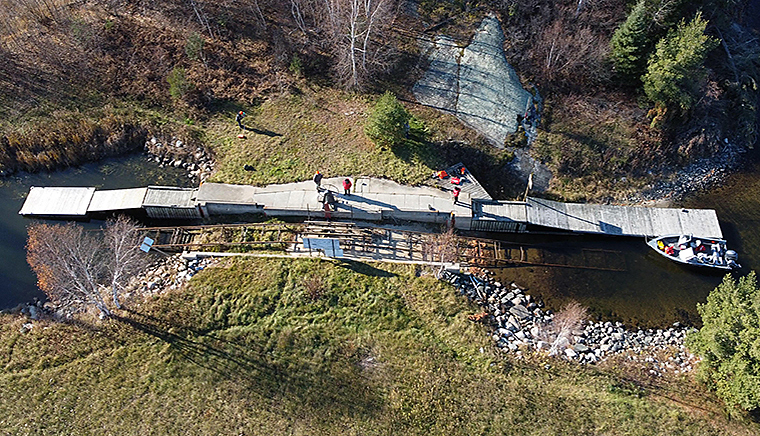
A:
<point x="347" y="187"/>
<point x="329" y="201"/>
<point x="239" y="119"/>
<point x="317" y="179"/>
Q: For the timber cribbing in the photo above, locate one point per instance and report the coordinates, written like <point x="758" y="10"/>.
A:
<point x="376" y="244"/>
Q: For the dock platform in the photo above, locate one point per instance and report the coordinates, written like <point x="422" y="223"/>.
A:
<point x="376" y="200"/>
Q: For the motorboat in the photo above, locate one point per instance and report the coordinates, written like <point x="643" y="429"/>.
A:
<point x="690" y="250"/>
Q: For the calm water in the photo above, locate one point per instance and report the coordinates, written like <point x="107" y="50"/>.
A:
<point x="17" y="282"/>
<point x="654" y="291"/>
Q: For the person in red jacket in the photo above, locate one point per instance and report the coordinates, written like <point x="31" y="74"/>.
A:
<point x="457" y="190"/>
<point x="347" y="187"/>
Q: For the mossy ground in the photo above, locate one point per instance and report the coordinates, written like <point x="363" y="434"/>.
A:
<point x="249" y="347"/>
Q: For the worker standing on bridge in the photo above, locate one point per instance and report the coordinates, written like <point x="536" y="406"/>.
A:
<point x="347" y="187"/>
<point x="317" y="179"/>
<point x="457" y="190"/>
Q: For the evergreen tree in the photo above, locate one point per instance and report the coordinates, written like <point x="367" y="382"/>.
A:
<point x="675" y="69"/>
<point x="630" y="45"/>
<point x="389" y="121"/>
<point x="729" y="341"/>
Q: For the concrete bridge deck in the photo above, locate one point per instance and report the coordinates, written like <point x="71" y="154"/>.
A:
<point x="375" y="200"/>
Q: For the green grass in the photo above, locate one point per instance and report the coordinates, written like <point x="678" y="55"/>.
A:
<point x="318" y="128"/>
<point x="315" y="129"/>
<point x="247" y="349"/>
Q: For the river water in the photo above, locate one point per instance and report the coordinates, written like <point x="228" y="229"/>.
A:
<point x="652" y="291"/>
<point x="17" y="282"/>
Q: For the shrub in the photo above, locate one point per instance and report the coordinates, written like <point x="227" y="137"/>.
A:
<point x="296" y="67"/>
<point x="194" y="46"/>
<point x="388" y="123"/>
<point x="729" y="341"/>
<point x="179" y="86"/>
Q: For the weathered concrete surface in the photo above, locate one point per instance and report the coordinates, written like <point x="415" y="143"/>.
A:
<point x="476" y="83"/>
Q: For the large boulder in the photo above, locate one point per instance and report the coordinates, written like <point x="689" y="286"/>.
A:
<point x="475" y="82"/>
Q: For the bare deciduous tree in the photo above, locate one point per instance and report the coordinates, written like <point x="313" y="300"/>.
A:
<point x="354" y="31"/>
<point x="124" y="258"/>
<point x="76" y="268"/>
<point x="441" y="247"/>
<point x="566" y="323"/>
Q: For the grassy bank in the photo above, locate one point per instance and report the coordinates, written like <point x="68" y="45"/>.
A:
<point x="309" y="347"/>
<point x="311" y="128"/>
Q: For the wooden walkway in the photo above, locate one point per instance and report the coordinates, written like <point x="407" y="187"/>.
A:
<point x="376" y="200"/>
<point x="594" y="218"/>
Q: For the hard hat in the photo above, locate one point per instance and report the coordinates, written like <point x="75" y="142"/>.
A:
<point x="242" y="113"/>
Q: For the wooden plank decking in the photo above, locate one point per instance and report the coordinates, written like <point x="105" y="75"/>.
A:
<point x="622" y="220"/>
<point x="117" y="199"/>
<point x="378" y="199"/>
<point x="57" y="201"/>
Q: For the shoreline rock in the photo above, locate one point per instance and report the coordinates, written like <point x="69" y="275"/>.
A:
<point x="165" y="274"/>
<point x="519" y="324"/>
<point x="699" y="176"/>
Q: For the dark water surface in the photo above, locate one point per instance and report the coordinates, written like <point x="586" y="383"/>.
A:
<point x="17" y="282"/>
<point x="652" y="291"/>
<point x="655" y="291"/>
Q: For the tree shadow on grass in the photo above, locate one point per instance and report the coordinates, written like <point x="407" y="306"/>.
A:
<point x="364" y="268"/>
<point x="317" y="391"/>
<point x="269" y="133"/>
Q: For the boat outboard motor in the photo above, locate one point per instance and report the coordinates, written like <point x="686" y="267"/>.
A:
<point x="731" y="258"/>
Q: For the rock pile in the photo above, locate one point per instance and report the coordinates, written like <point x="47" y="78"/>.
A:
<point x="520" y="323"/>
<point x="175" y="152"/>
<point x="165" y="274"/>
<point x="171" y="272"/>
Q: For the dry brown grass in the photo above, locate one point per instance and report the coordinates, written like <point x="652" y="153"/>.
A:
<point x="598" y="147"/>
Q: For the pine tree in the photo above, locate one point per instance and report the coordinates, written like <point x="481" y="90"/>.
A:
<point x="675" y="69"/>
<point x="630" y="45"/>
